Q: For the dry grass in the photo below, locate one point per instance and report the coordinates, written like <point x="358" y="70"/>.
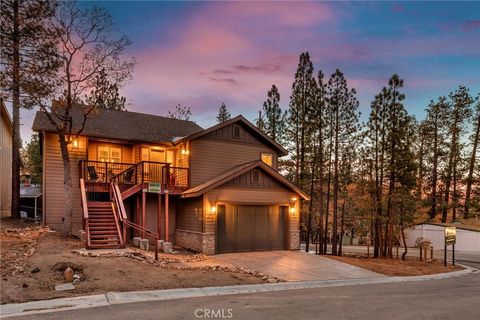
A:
<point x="393" y="267"/>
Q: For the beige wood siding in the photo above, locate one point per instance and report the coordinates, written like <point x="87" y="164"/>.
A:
<point x="256" y="178"/>
<point x="5" y="165"/>
<point x="54" y="196"/>
<point x="209" y="158"/>
<point x="190" y="214"/>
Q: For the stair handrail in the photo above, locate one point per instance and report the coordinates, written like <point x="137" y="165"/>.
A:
<point x="117" y="223"/>
<point x="119" y="211"/>
<point x="85" y="221"/>
<point x="154" y="235"/>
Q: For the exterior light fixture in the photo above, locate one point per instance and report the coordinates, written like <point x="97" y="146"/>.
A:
<point x="294" y="199"/>
<point x="185" y="151"/>
<point x="213" y="209"/>
<point x="75" y="143"/>
<point x="292" y="210"/>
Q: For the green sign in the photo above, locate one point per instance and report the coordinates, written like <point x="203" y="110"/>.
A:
<point x="450" y="235"/>
<point x="154" y="187"/>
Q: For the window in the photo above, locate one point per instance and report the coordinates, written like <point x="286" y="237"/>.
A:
<point x="255" y="176"/>
<point x="236" y="132"/>
<point x="267" y="158"/>
<point x="109" y="154"/>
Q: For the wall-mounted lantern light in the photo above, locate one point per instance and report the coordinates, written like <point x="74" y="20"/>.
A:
<point x="185" y="152"/>
<point x="213" y="209"/>
<point x="75" y="143"/>
<point x="292" y="210"/>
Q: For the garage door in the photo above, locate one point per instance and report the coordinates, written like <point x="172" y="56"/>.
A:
<point x="249" y="228"/>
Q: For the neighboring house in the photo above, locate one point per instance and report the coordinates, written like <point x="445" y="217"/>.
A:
<point x="220" y="186"/>
<point x="6" y="138"/>
<point x="467" y="238"/>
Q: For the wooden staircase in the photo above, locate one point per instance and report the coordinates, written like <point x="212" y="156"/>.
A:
<point x="103" y="228"/>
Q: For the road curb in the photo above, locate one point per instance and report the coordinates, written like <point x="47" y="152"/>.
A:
<point x="113" y="298"/>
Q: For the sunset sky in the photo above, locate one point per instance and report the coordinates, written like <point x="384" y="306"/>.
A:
<point x="200" y="54"/>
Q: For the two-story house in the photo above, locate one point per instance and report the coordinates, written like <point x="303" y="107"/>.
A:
<point x="211" y="190"/>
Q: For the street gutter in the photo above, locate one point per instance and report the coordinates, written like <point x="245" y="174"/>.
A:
<point x="113" y="298"/>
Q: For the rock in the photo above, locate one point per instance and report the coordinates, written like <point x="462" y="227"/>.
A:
<point x="68" y="274"/>
<point x="264" y="278"/>
<point x="34" y="270"/>
<point x="272" y="280"/>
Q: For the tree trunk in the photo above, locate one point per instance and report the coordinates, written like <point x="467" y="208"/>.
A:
<point x="320" y="222"/>
<point x="329" y="182"/>
<point x="448" y="181"/>
<point x="335" y="186"/>
<point x="16" y="141"/>
<point x="468" y="190"/>
<point x="310" y="205"/>
<point x="433" y="209"/>
<point x="342" y="222"/>
<point x="67" y="184"/>
<point x="402" y="229"/>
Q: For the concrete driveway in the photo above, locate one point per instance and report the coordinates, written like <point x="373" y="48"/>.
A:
<point x="292" y="265"/>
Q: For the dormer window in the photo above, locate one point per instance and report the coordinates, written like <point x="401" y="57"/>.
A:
<point x="236" y="132"/>
<point x="267" y="158"/>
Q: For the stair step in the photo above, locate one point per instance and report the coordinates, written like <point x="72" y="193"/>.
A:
<point x="104" y="232"/>
<point x="104" y="246"/>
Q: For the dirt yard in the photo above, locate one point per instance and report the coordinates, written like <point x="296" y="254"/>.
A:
<point x="393" y="267"/>
<point x="33" y="260"/>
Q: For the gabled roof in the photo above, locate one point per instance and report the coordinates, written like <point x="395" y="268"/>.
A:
<point x="124" y="125"/>
<point x="235" y="172"/>
<point x="238" y="119"/>
<point x="458" y="225"/>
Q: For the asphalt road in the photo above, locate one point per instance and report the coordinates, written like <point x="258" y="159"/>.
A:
<point x="455" y="298"/>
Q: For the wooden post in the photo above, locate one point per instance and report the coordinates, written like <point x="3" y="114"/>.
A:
<point x="421" y="248"/>
<point x="453" y="254"/>
<point x="397" y="251"/>
<point x="166" y="215"/>
<point x="159" y="214"/>
<point x="137" y="215"/>
<point x="368" y="251"/>
<point x="425" y="253"/>
<point x="144" y="213"/>
<point x="431" y="253"/>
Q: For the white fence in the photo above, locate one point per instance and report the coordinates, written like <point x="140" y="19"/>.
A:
<point x="467" y="240"/>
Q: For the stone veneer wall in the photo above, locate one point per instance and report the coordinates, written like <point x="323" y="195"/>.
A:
<point x="294" y="242"/>
<point x="197" y="241"/>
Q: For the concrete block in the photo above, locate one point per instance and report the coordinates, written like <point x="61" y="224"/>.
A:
<point x="136" y="241"/>
<point x="167" y="247"/>
<point x="64" y="287"/>
<point x="144" y="244"/>
<point x="160" y="244"/>
<point x="83" y="236"/>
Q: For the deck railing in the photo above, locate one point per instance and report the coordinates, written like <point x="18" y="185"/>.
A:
<point x="98" y="175"/>
<point x="99" y="171"/>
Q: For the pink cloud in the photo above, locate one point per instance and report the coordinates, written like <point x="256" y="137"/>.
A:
<point x="471" y="25"/>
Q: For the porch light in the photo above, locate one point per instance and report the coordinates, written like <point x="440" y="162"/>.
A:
<point x="213" y="209"/>
<point x="75" y="143"/>
<point x="185" y="152"/>
<point x="294" y="199"/>
<point x="292" y="210"/>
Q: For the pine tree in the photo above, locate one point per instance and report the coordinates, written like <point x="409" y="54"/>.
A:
<point x="274" y="123"/>
<point x="105" y="93"/>
<point x="459" y="112"/>
<point x="28" y="63"/>
<point x="301" y="100"/>
<point x="475" y="138"/>
<point x="434" y="135"/>
<point x="32" y="159"/>
<point x="343" y="107"/>
<point x="223" y="114"/>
